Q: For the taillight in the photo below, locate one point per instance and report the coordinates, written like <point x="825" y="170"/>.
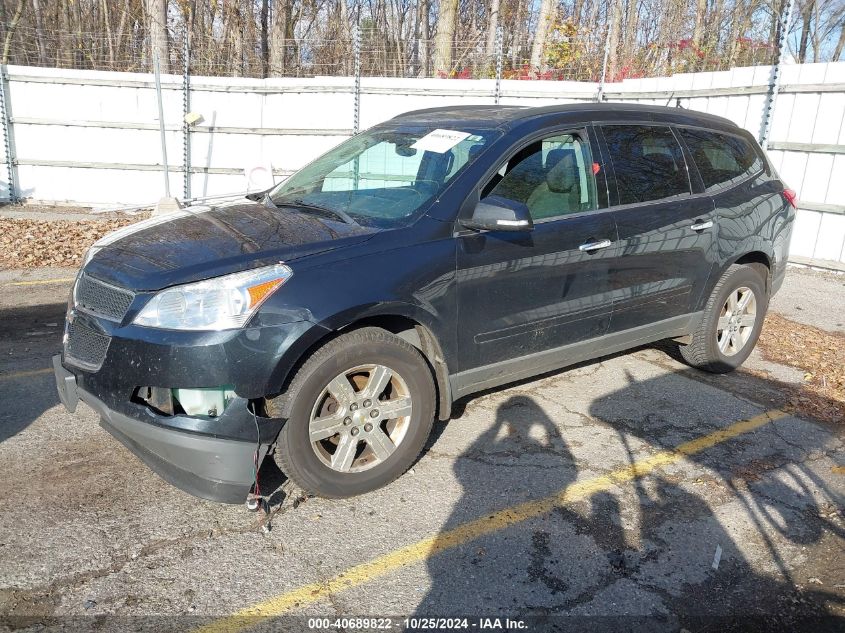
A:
<point x="791" y="197"/>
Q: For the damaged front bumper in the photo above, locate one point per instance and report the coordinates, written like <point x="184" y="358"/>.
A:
<point x="210" y="466"/>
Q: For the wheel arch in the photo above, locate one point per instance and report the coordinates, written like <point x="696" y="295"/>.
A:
<point x="755" y="255"/>
<point x="401" y="320"/>
<point x="760" y="261"/>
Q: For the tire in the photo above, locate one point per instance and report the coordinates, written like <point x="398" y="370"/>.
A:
<point x="317" y="403"/>
<point x="709" y="349"/>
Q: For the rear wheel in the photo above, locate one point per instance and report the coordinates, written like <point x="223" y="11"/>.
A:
<point x="359" y="412"/>
<point x="732" y="322"/>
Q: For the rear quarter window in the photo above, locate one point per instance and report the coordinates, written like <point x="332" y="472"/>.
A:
<point x="722" y="159"/>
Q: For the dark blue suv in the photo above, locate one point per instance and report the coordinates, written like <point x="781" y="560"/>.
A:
<point x="329" y="320"/>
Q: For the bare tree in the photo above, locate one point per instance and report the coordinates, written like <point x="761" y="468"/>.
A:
<point x="613" y="35"/>
<point x="39" y="31"/>
<point x="159" y="44"/>
<point x="548" y="8"/>
<point x="281" y="23"/>
<point x="445" y="36"/>
<point x="698" y="28"/>
<point x="492" y="27"/>
<point x="806" y="23"/>
<point x="840" y="43"/>
<point x="306" y="37"/>
<point x="10" y="32"/>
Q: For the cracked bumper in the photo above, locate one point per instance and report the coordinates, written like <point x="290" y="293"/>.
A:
<point x="210" y="467"/>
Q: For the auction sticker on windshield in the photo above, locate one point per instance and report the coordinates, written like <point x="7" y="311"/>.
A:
<point x="440" y="141"/>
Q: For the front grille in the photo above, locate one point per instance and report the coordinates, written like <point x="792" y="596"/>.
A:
<point x="85" y="348"/>
<point x="102" y="299"/>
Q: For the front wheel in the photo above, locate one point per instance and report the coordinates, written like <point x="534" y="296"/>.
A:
<point x="732" y="321"/>
<point x="358" y="411"/>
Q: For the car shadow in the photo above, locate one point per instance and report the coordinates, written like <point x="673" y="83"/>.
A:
<point x="710" y="543"/>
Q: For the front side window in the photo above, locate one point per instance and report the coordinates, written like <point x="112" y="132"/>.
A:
<point x="722" y="159"/>
<point x="648" y="162"/>
<point x="553" y="177"/>
<point x="386" y="175"/>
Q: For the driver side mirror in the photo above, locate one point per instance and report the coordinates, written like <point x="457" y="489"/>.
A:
<point x="495" y="213"/>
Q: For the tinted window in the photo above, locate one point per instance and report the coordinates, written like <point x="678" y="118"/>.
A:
<point x="648" y="162"/>
<point x="722" y="159"/>
<point x="553" y="177"/>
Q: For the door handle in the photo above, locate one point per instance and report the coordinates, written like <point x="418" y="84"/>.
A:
<point x="700" y="226"/>
<point x="589" y="247"/>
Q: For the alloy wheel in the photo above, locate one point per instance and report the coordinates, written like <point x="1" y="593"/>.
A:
<point x="736" y="321"/>
<point x="360" y="418"/>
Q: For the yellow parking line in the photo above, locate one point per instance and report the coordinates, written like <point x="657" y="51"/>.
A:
<point x="25" y="374"/>
<point x="494" y="522"/>
<point x="41" y="282"/>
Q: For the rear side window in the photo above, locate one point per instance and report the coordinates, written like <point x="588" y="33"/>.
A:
<point x="648" y="162"/>
<point x="722" y="159"/>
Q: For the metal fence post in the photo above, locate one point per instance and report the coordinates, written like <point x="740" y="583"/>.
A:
<point x="774" y="79"/>
<point x="186" y="108"/>
<point x="499" y="61"/>
<point x="7" y="137"/>
<point x="600" y="92"/>
<point x="356" y="51"/>
<point x="161" y="124"/>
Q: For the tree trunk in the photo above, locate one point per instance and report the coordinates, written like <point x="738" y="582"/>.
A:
<point x="516" y="37"/>
<point x="613" y="40"/>
<point x="492" y="27"/>
<point x="630" y="42"/>
<point x="10" y="31"/>
<point x="736" y="31"/>
<point x="265" y="37"/>
<point x="714" y="29"/>
<point x="840" y="44"/>
<point x="425" y="34"/>
<point x="345" y="35"/>
<point x="806" y="19"/>
<point x="577" y="8"/>
<point x="544" y="24"/>
<point x="698" y="28"/>
<point x="121" y="26"/>
<point x="157" y="11"/>
<point x="278" y="37"/>
<point x="39" y="32"/>
<point x="445" y="36"/>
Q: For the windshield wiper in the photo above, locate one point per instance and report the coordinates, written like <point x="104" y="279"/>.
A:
<point x="343" y="215"/>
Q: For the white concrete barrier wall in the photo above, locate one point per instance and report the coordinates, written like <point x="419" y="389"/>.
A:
<point x="92" y="137"/>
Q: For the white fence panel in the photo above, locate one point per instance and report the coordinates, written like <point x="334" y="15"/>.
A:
<point x="92" y="137"/>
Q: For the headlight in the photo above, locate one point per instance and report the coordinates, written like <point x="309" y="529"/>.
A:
<point x="214" y="304"/>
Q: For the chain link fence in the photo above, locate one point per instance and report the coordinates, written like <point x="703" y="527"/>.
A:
<point x="252" y="48"/>
<point x="570" y="52"/>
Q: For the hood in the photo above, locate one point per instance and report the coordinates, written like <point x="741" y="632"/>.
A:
<point x="196" y="244"/>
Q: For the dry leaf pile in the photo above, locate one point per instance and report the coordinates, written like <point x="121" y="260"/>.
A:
<point x="819" y="354"/>
<point x="34" y="243"/>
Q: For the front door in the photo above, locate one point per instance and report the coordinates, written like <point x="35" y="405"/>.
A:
<point x="523" y="295"/>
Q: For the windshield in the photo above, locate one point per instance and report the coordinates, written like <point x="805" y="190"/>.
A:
<point x="384" y="176"/>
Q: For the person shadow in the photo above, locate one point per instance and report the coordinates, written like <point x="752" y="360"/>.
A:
<point x="653" y="553"/>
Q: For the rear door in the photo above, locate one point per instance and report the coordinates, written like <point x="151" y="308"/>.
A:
<point x="748" y="201"/>
<point x="666" y="225"/>
<point x="521" y="295"/>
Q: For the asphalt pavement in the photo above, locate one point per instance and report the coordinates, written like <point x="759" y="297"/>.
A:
<point x="623" y="493"/>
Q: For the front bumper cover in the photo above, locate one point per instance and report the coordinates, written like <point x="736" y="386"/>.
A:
<point x="215" y="468"/>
